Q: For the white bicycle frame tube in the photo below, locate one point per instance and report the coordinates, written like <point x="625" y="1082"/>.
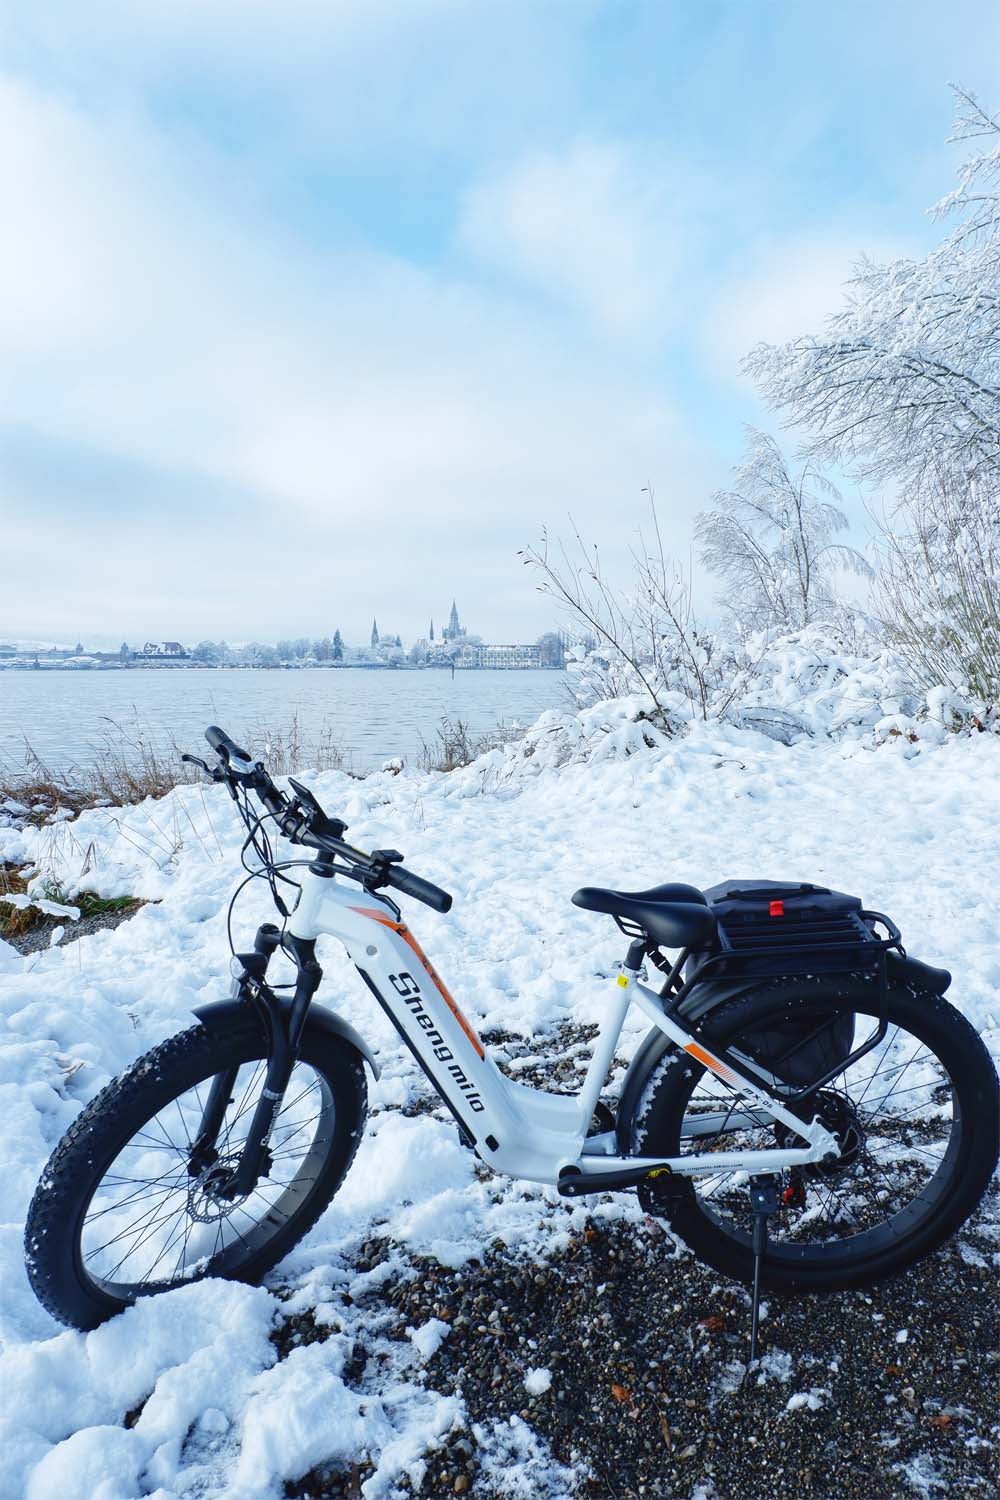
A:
<point x="521" y="1131"/>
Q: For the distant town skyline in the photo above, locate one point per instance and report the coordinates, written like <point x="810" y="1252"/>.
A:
<point x="449" y="626"/>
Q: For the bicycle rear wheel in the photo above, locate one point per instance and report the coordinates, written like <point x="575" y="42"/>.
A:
<point x="122" y="1211"/>
<point x="917" y="1119"/>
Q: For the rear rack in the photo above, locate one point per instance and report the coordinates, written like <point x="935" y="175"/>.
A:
<point x="806" y="942"/>
<point x="842" y="942"/>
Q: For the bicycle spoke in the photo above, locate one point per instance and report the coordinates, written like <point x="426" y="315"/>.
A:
<point x="859" y="1102"/>
<point x="165" y="1249"/>
<point x="136" y="1224"/>
<point x="182" y="1258"/>
<point x="902" y="1070"/>
<point x="152" y="1145"/>
<point x="153" y="1221"/>
<point x="894" y="1120"/>
<point x="124" y="1202"/>
<point x="187" y="1133"/>
<point x="298" y="1129"/>
<point x="150" y="1229"/>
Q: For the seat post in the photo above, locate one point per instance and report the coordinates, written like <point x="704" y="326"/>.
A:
<point x="636" y="954"/>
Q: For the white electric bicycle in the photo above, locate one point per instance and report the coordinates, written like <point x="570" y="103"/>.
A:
<point x="807" y="1110"/>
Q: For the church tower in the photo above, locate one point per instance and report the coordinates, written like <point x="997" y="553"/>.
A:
<point x="374" y="632"/>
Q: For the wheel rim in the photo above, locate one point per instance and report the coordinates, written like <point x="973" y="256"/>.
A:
<point x="150" y="1224"/>
<point x="898" y="1113"/>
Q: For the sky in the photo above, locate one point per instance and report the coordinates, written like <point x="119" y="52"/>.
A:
<point x="319" y="310"/>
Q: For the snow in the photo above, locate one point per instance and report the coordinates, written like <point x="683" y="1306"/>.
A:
<point x="776" y="1364"/>
<point x="910" y="827"/>
<point x="10" y="959"/>
<point x="537" y="1382"/>
<point x="810" y="1400"/>
<point x="518" y="1462"/>
<point x="428" y="1338"/>
<point x="48" y="908"/>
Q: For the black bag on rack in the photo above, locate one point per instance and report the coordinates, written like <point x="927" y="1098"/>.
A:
<point x="776" y="928"/>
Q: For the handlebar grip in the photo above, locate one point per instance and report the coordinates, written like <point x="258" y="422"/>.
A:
<point x="219" y="740"/>
<point x="421" y="890"/>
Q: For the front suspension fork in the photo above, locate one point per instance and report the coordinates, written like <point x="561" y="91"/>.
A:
<point x="285" y="1021"/>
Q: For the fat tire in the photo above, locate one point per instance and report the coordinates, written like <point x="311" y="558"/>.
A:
<point x="655" y="1129"/>
<point x="110" y="1120"/>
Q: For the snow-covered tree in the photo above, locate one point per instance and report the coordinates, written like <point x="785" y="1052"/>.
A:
<point x="771" y="539"/>
<point x="909" y="371"/>
<point x="338" y="646"/>
<point x="939" y="586"/>
<point x="550" y="649"/>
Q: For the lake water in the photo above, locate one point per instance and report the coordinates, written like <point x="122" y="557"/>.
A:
<point x="370" y="715"/>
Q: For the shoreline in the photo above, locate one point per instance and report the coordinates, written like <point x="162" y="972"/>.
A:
<point x="319" y="666"/>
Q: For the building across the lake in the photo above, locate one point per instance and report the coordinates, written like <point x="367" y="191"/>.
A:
<point x="455" y="647"/>
<point x="453" y="631"/>
<point x="481" y="655"/>
<point x="161" y="651"/>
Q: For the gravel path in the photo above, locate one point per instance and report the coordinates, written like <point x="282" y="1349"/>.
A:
<point x="893" y="1391"/>
<point x="40" y="935"/>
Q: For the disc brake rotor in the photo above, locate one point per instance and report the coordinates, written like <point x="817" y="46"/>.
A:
<point x="206" y="1205"/>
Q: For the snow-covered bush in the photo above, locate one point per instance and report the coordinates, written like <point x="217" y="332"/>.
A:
<point x="649" y="642"/>
<point x="808" y="685"/>
<point x="940" y="584"/>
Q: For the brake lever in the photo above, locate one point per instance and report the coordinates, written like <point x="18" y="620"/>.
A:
<point x="381" y="862"/>
<point x="214" y="773"/>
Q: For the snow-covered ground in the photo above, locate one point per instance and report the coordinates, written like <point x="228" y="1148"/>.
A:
<point x="912" y="830"/>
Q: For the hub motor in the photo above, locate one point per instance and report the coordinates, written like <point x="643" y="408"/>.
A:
<point x="839" y="1116"/>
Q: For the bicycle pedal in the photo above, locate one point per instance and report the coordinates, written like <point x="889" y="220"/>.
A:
<point x="661" y="1190"/>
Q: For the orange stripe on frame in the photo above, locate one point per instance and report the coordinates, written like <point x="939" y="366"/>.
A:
<point x="711" y="1062"/>
<point x="410" y="940"/>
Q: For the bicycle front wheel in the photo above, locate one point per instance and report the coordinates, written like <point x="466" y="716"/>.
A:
<point x="916" y="1119"/>
<point x="122" y="1210"/>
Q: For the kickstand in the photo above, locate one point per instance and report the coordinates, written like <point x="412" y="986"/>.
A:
<point x="763" y="1203"/>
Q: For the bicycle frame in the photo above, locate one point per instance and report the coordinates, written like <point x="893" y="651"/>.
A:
<point x="522" y="1131"/>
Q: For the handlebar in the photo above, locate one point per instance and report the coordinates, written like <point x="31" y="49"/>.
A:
<point x="223" y="745"/>
<point x="303" y="821"/>
<point x="420" y="889"/>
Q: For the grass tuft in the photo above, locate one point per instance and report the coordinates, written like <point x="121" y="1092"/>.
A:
<point x="16" y="921"/>
<point x="129" y="765"/>
<point x="455" y="746"/>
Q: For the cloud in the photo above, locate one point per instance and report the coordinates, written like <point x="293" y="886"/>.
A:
<point x="347" y="80"/>
<point x="594" y="226"/>
<point x="784" y="287"/>
<point x="287" y="432"/>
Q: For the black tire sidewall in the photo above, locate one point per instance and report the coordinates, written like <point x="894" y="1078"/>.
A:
<point x="920" y="1011"/>
<point x="85" y="1153"/>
